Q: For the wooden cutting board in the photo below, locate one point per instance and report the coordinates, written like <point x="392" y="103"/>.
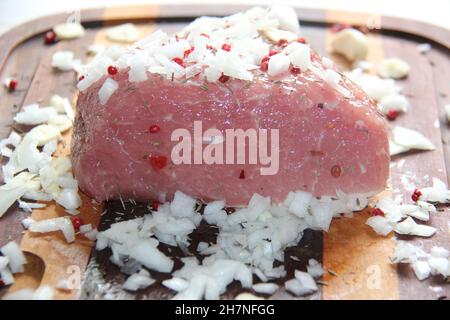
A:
<point x="357" y="259"/>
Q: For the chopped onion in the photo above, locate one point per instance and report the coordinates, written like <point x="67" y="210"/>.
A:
<point x="275" y="35"/>
<point x="394" y="68"/>
<point x="182" y="205"/>
<point x="56" y="224"/>
<point x="380" y="225"/>
<point x="85" y="228"/>
<point x="3" y="262"/>
<point x="314" y="268"/>
<point x="62" y="122"/>
<point x="63" y="60"/>
<point x="301" y="56"/>
<point x="69" y="199"/>
<point x="350" y="43"/>
<point x="265" y="288"/>
<point x="95" y="49"/>
<point x="107" y="89"/>
<point x="408" y="226"/>
<point x="138" y="281"/>
<point x="421" y="269"/>
<point x="29" y="206"/>
<point x="407" y="139"/>
<point x="395" y="102"/>
<point x="27" y="222"/>
<point x="46" y="133"/>
<point x="439" y="265"/>
<point x="300" y="203"/>
<point x="306" y="280"/>
<point x="33" y="115"/>
<point x="415" y="212"/>
<point x="69" y="30"/>
<point x="15" y="256"/>
<point x="43" y="293"/>
<point x="22" y="294"/>
<point x="286" y="16"/>
<point x="146" y="253"/>
<point x="123" y="33"/>
<point x="176" y="284"/>
<point x="278" y="64"/>
<point x="92" y="235"/>
<point x="247" y="296"/>
<point x="439" y="252"/>
<point x="138" y="68"/>
<point x="8" y="197"/>
<point x="294" y="286"/>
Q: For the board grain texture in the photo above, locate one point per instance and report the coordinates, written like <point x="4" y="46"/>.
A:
<point x="357" y="259"/>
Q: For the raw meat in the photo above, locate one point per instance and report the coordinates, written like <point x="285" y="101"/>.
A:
<point x="331" y="135"/>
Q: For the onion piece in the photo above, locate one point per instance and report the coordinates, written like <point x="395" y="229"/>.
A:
<point x="286" y="16"/>
<point x="43" y="293"/>
<point x="266" y="288"/>
<point x="247" y="296"/>
<point x="314" y="268"/>
<point x="15" y="256"/>
<point x="33" y="115"/>
<point x="300" y="203"/>
<point x="69" y="199"/>
<point x="46" y="133"/>
<point x="16" y="188"/>
<point x="393" y="68"/>
<point x="176" y="284"/>
<point x="146" y="253"/>
<point x="107" y="89"/>
<point x="393" y="101"/>
<point x="403" y="141"/>
<point x="278" y="64"/>
<point x="275" y="35"/>
<point x="439" y="265"/>
<point x="408" y="226"/>
<point x="439" y="252"/>
<point x="56" y="224"/>
<point x="421" y="269"/>
<point x="27" y="222"/>
<point x="8" y="197"/>
<point x="3" y="262"/>
<point x="123" y="33"/>
<point x="69" y="30"/>
<point x="350" y="43"/>
<point x="68" y="109"/>
<point x="301" y="56"/>
<point x="138" y="281"/>
<point x="182" y="205"/>
<point x="380" y="225"/>
<point x="306" y="280"/>
<point x="22" y="294"/>
<point x="415" y="212"/>
<point x="63" y="60"/>
<point x="29" y="206"/>
<point x="60" y="121"/>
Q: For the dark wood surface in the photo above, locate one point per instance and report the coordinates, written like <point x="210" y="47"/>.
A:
<point x="350" y="248"/>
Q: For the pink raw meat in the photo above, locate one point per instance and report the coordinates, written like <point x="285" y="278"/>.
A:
<point x="327" y="142"/>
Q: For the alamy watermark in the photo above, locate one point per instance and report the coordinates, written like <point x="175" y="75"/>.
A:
<point x="234" y="146"/>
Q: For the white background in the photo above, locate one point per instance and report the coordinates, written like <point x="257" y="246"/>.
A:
<point x="13" y="12"/>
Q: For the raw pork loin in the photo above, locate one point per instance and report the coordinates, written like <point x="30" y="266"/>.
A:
<point x="246" y="71"/>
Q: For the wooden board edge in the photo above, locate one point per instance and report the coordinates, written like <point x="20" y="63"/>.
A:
<point x="18" y="34"/>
